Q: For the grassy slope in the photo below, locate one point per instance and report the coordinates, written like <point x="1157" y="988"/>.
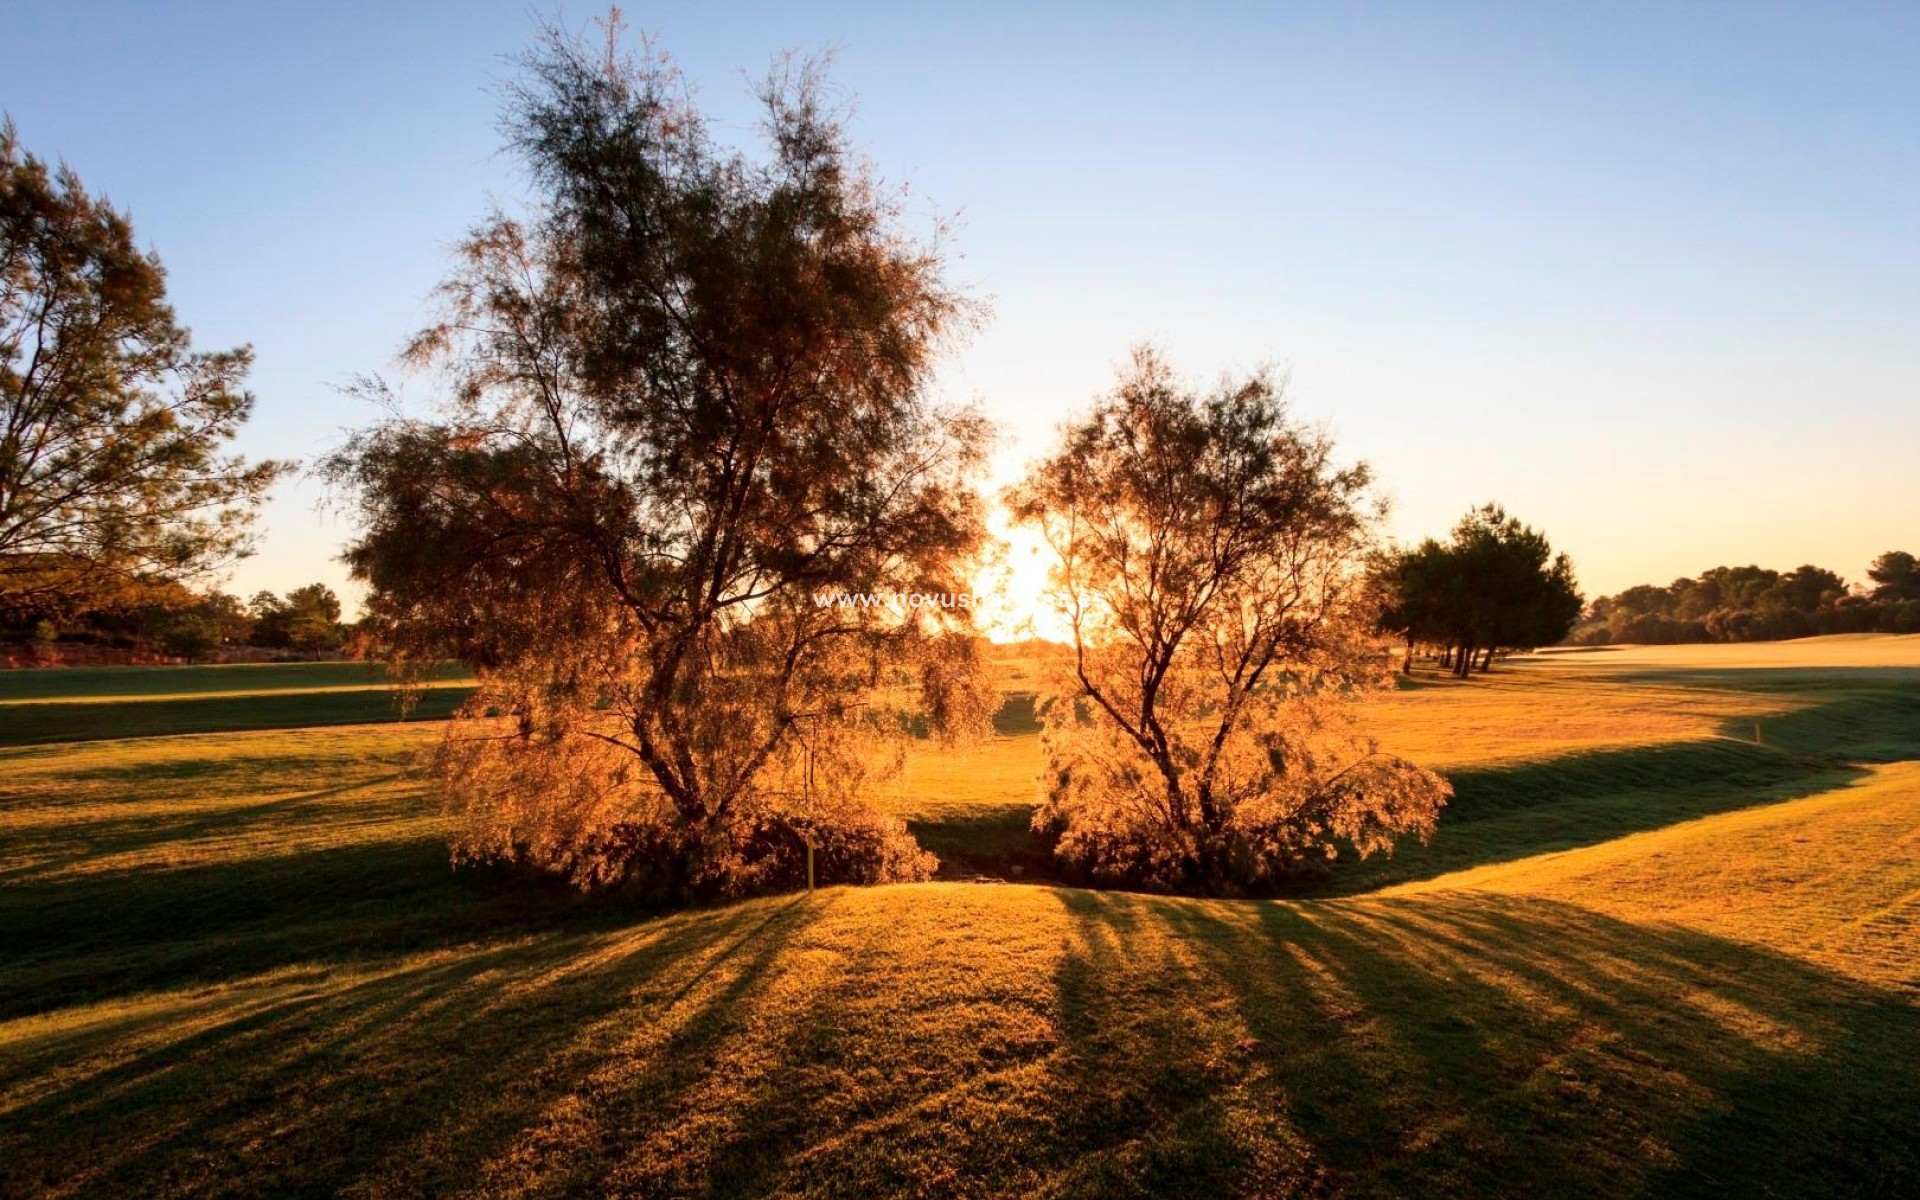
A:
<point x="235" y="961"/>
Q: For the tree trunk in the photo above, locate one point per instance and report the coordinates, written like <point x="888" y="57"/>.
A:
<point x="1406" y="664"/>
<point x="1463" y="660"/>
<point x="1486" y="661"/>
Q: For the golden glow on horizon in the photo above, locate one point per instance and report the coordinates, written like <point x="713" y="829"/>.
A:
<point x="1011" y="594"/>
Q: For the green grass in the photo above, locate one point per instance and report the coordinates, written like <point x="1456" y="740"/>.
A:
<point x="1645" y="955"/>
<point x="104" y="683"/>
<point x="89" y="704"/>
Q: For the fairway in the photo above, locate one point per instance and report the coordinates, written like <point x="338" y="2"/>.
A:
<point x="1664" y="942"/>
<point x="87" y="704"/>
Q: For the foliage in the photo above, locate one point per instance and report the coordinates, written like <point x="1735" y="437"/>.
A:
<point x="308" y="620"/>
<point x="1202" y="737"/>
<point x="1896" y="576"/>
<point x="190" y="636"/>
<point x="1495" y="585"/>
<point x="1755" y="604"/>
<point x="144" y="615"/>
<point x="686" y="395"/>
<point x="112" y="429"/>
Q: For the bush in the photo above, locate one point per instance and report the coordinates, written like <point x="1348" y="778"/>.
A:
<point x="190" y="637"/>
<point x="1652" y="629"/>
<point x="1736" y="625"/>
<point x="582" y="810"/>
<point x="1907" y="619"/>
<point x="1783" y="624"/>
<point x="1307" y="786"/>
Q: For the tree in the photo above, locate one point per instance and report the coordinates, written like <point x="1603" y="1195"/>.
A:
<point x="686" y="401"/>
<point x="314" y="623"/>
<point x="1495" y="585"/>
<point x="308" y="619"/>
<point x="112" y="429"/>
<point x="271" y="617"/>
<point x="190" y="636"/>
<point x="1210" y="565"/>
<point x="1896" y="576"/>
<point x="1752" y="603"/>
<point x="228" y="616"/>
<point x="1408" y="588"/>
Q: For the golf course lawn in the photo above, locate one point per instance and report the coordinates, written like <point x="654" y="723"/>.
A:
<point x="1666" y="941"/>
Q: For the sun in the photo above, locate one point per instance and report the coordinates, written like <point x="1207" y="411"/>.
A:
<point x="1013" y="593"/>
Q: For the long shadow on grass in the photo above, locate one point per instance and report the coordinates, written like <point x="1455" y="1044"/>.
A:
<point x="1134" y="1046"/>
<point x="993" y="842"/>
<point x="100" y="934"/>
<point x="273" y="821"/>
<point x="1483" y="1046"/>
<point x="68" y="682"/>
<point x="419" y="1073"/>
<point x="1855" y="714"/>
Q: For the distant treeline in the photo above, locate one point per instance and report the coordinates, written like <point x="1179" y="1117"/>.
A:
<point x="175" y="621"/>
<point x="1754" y="604"/>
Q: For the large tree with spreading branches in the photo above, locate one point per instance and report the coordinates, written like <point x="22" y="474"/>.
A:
<point x="115" y="468"/>
<point x="1203" y="734"/>
<point x="686" y="398"/>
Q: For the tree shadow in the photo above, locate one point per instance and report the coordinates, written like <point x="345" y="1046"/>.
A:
<point x="1508" y="812"/>
<point x="418" y="1072"/>
<point x="994" y="1041"/>
<point x="79" y="721"/>
<point x="1465" y="1044"/>
<point x="1852" y="714"/>
<point x="91" y="936"/>
<point x="1017" y="715"/>
<point x="990" y="842"/>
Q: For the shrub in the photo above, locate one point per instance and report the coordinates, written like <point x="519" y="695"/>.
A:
<point x="190" y="637"/>
<point x="583" y="810"/>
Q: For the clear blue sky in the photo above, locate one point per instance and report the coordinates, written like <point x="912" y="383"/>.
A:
<point x="1648" y="274"/>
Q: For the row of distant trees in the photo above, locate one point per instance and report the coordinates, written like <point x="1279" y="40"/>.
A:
<point x="1755" y="604"/>
<point x="177" y="622"/>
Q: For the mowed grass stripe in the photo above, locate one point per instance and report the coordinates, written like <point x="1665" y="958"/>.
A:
<point x="103" y="683"/>
<point x="82" y="721"/>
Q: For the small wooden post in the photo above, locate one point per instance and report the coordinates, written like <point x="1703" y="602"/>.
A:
<point x="808" y="786"/>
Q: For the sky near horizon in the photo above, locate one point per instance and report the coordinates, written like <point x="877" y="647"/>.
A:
<point x="1647" y="274"/>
